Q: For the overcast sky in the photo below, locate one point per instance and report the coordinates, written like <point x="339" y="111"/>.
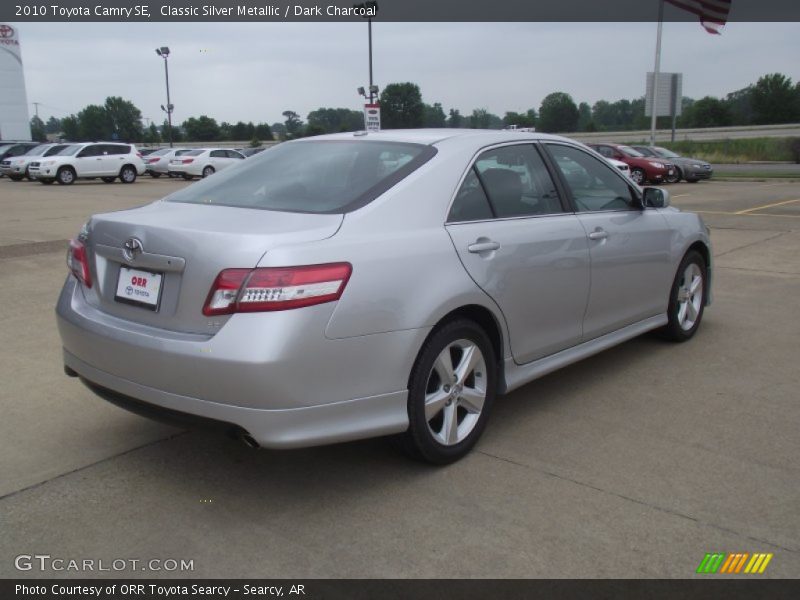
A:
<point x="255" y="71"/>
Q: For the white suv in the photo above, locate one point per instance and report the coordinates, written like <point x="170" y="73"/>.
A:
<point x="106" y="160"/>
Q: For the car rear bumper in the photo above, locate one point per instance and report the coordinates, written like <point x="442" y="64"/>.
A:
<point x="274" y="375"/>
<point x="374" y="416"/>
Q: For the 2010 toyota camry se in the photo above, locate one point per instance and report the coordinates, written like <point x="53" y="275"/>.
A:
<point x="358" y="285"/>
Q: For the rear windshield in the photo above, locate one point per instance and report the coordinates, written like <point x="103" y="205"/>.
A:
<point x="320" y="176"/>
<point x="160" y="152"/>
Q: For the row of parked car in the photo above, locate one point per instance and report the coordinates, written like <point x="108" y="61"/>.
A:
<point x="654" y="164"/>
<point x="109" y="161"/>
<point x="193" y="162"/>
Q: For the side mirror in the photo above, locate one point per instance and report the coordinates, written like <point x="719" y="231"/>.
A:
<point x="656" y="197"/>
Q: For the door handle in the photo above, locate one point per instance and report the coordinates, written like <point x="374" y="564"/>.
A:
<point x="486" y="246"/>
<point x="598" y="234"/>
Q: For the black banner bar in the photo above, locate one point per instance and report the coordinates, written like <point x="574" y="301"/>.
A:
<point x="390" y="589"/>
<point x="388" y="10"/>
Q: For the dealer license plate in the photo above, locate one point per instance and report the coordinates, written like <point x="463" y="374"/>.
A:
<point x="139" y="287"/>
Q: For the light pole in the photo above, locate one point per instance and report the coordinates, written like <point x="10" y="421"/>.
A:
<point x="163" y="52"/>
<point x="371" y="9"/>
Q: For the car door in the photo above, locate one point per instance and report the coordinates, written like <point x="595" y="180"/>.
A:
<point x="218" y="159"/>
<point x="513" y="236"/>
<point x="114" y="156"/>
<point x="88" y="161"/>
<point x="234" y="157"/>
<point x="629" y="246"/>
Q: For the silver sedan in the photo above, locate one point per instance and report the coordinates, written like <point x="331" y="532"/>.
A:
<point x="358" y="285"/>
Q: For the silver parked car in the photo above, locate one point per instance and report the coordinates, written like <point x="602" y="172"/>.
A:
<point x="357" y="285"/>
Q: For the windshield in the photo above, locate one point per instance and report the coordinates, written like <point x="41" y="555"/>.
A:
<point x="70" y="150"/>
<point x="5" y="147"/>
<point x="38" y="151"/>
<point x="628" y="151"/>
<point x="664" y="153"/>
<point x="321" y="176"/>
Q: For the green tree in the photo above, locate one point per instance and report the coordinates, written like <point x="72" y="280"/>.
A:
<point x="177" y="132"/>
<point x="53" y="125"/>
<point x="124" y="119"/>
<point x="38" y="132"/>
<point x="293" y="123"/>
<point x="151" y="135"/>
<point x="201" y="129"/>
<point x="740" y="106"/>
<point x="526" y="119"/>
<point x="93" y="124"/>
<point x="239" y="131"/>
<point x="479" y="119"/>
<point x="558" y="113"/>
<point x="584" y="117"/>
<point x="279" y="129"/>
<point x="774" y="101"/>
<point x="70" y="128"/>
<point x="455" y="119"/>
<point x="434" y="115"/>
<point x="262" y="131"/>
<point x="334" y="120"/>
<point x="401" y="106"/>
<point x="225" y="131"/>
<point x="708" y="112"/>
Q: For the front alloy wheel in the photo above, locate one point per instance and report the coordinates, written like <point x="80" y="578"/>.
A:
<point x="450" y="394"/>
<point x="638" y="176"/>
<point x="687" y="298"/>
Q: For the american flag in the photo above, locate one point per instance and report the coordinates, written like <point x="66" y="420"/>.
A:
<point x="713" y="13"/>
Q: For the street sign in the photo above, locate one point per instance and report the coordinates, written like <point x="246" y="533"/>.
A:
<point x="668" y="96"/>
<point x="372" y="117"/>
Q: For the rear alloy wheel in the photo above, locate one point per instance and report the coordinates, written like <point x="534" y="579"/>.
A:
<point x="109" y="179"/>
<point x="127" y="174"/>
<point x="65" y="176"/>
<point x="208" y="171"/>
<point x="638" y="176"/>
<point x="687" y="298"/>
<point x="451" y="390"/>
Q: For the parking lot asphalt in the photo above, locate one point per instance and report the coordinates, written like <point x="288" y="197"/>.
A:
<point x="633" y="463"/>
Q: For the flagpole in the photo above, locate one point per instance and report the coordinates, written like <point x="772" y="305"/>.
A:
<point x="656" y="69"/>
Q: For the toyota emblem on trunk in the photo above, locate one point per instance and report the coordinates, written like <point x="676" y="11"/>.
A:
<point x="132" y="248"/>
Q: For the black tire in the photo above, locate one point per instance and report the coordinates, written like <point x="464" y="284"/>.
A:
<point x="675" y="329"/>
<point x="208" y="171"/>
<point x="28" y="174"/>
<point x="155" y="175"/>
<point x="65" y="176"/>
<point x="109" y="179"/>
<point x="15" y="177"/>
<point x="692" y="180"/>
<point x="47" y="181"/>
<point x="188" y="177"/>
<point x="638" y="176"/>
<point x="127" y="174"/>
<point x="419" y="440"/>
<point x="676" y="176"/>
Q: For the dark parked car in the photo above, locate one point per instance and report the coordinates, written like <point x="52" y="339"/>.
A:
<point x="690" y="169"/>
<point x="248" y="152"/>
<point x="643" y="168"/>
<point x="11" y="149"/>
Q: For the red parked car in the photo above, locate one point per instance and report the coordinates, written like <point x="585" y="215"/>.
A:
<point x="643" y="168"/>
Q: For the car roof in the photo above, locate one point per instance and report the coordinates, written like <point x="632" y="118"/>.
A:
<point x="435" y="136"/>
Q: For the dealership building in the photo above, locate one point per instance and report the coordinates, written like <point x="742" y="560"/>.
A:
<point x="14" y="118"/>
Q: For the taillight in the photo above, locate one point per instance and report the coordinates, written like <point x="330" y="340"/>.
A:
<point x="276" y="288"/>
<point x="152" y="160"/>
<point x="78" y="262"/>
<point x="186" y="161"/>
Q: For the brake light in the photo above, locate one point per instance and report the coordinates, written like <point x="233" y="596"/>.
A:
<point x="152" y="160"/>
<point x="139" y="154"/>
<point x="276" y="288"/>
<point x="78" y="262"/>
<point x="186" y="161"/>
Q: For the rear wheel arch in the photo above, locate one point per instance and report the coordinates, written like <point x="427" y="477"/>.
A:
<point x="487" y="321"/>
